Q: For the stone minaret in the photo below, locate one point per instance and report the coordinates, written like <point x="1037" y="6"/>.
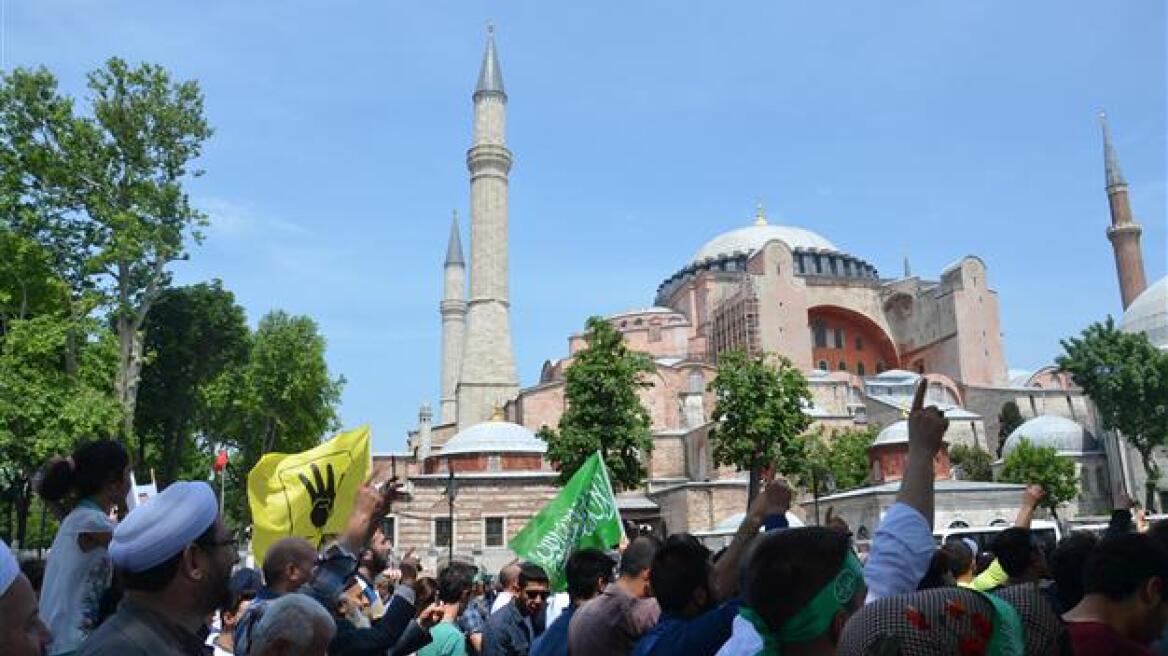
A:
<point x="453" y="309"/>
<point x="1124" y="232"/>
<point x="487" y="373"/>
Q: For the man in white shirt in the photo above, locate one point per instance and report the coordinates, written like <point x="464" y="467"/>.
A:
<point x="508" y="586"/>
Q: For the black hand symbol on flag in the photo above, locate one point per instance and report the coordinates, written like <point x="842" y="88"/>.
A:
<point x="323" y="496"/>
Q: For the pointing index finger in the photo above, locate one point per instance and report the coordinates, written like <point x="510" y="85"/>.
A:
<point x="919" y="397"/>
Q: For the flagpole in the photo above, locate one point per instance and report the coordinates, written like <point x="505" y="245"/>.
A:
<point x="222" y="489"/>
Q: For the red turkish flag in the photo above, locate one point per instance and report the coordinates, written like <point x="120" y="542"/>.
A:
<point x="220" y="461"/>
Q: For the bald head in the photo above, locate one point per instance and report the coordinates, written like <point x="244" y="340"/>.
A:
<point x="509" y="577"/>
<point x="288" y="564"/>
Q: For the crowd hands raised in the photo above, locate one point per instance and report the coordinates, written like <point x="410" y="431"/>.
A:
<point x="773" y="590"/>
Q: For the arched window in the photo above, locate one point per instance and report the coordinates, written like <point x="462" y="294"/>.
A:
<point x="823" y="365"/>
<point x="843" y="366"/>
<point x="860" y="368"/>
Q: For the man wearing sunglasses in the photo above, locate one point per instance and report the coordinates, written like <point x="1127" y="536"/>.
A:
<point x="175" y="557"/>
<point x="510" y="630"/>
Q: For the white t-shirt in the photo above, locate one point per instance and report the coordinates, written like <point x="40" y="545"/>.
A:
<point x="75" y="580"/>
<point x="501" y="600"/>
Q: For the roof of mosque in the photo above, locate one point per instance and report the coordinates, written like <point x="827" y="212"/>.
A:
<point x="1149" y="314"/>
<point x="1062" y="434"/>
<point x="749" y="240"/>
<point x="494" y="436"/>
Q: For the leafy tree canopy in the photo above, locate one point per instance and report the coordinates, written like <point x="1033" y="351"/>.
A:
<point x="1127" y="378"/>
<point x="974" y="461"/>
<point x="759" y="414"/>
<point x="604" y="412"/>
<point x="1043" y="466"/>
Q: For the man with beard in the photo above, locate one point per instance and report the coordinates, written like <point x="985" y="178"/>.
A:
<point x="175" y="558"/>
<point x="336" y="586"/>
<point x="510" y="630"/>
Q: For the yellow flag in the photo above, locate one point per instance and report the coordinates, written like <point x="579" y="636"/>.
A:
<point x="309" y="494"/>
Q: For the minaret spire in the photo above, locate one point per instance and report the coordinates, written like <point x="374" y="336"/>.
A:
<point x="1110" y="160"/>
<point x="454" y="246"/>
<point x="453" y="311"/>
<point x="486" y="374"/>
<point x="490" y="73"/>
<point x="1124" y="233"/>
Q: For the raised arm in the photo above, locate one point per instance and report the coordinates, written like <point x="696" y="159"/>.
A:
<point x="1031" y="497"/>
<point x="926" y="430"/>
<point x="903" y="545"/>
<point x="774" y="500"/>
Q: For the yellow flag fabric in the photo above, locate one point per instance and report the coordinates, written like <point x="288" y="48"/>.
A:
<point x="309" y="494"/>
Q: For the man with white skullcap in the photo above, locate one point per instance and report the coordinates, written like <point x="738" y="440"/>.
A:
<point x="22" y="633"/>
<point x="175" y="557"/>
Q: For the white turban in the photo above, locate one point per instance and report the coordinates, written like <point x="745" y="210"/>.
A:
<point x="9" y="570"/>
<point x="162" y="527"/>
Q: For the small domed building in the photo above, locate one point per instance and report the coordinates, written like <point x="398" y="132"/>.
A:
<point x="1073" y="441"/>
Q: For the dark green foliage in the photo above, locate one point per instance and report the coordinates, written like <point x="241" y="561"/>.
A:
<point x="1127" y="378"/>
<point x="1029" y="464"/>
<point x="759" y="415"/>
<point x="974" y="461"/>
<point x="605" y="412"/>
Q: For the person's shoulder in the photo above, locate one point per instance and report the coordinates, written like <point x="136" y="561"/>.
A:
<point x="108" y="640"/>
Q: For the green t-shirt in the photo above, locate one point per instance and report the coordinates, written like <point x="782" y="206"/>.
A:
<point x="448" y="641"/>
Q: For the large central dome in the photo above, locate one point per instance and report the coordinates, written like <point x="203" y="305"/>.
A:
<point x="748" y="240"/>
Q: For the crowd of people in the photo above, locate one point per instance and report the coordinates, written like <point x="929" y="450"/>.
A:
<point x="166" y="580"/>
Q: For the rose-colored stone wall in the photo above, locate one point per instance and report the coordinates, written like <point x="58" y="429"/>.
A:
<point x="893" y="459"/>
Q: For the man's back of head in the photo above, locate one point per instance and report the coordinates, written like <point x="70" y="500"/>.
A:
<point x="288" y="564"/>
<point x="293" y="625"/>
<point x="680" y="575"/>
<point x="820" y="580"/>
<point x="638" y="556"/>
<point x="454" y="582"/>
<point x="509" y="577"/>
<point x="587" y="571"/>
<point x="1129" y="574"/>
<point x="960" y="557"/>
<point x="1066" y="567"/>
<point x="1018" y="553"/>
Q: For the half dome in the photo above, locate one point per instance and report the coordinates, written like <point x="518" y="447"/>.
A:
<point x="494" y="437"/>
<point x="1063" y="435"/>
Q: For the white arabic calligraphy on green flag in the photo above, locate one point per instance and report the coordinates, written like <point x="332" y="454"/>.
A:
<point x="583" y="515"/>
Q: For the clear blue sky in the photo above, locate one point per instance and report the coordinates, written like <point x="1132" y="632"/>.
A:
<point x="640" y="130"/>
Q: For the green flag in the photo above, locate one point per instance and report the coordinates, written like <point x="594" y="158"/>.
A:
<point x="583" y="515"/>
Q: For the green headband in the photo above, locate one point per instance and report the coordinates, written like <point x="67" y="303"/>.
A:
<point x="816" y="616"/>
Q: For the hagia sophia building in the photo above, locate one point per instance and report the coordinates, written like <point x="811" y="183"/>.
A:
<point x="863" y="339"/>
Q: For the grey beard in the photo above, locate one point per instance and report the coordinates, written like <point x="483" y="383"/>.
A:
<point x="358" y="619"/>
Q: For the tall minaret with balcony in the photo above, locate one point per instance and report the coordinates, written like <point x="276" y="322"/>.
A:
<point x="1123" y="232"/>
<point x="486" y="376"/>
<point x="453" y="310"/>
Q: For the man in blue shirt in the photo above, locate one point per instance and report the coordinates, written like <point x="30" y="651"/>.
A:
<point x="511" y="629"/>
<point x="698" y="599"/>
<point x="588" y="571"/>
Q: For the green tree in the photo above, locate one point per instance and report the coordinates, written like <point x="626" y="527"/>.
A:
<point x="604" y="410"/>
<point x="842" y="456"/>
<point x="1043" y="466"/>
<point x="1009" y="418"/>
<point x="104" y="191"/>
<point x="759" y="415"/>
<point x="192" y="335"/>
<point x="281" y="399"/>
<point x="974" y="461"/>
<point x="45" y="409"/>
<point x="1127" y="378"/>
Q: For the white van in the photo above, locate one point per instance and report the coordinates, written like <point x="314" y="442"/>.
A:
<point x="1045" y="530"/>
